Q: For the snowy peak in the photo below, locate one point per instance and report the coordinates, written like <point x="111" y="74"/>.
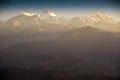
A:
<point x="99" y="20"/>
<point x="29" y="14"/>
<point x="50" y="13"/>
<point x="52" y="17"/>
<point x="100" y="17"/>
<point x="25" y="19"/>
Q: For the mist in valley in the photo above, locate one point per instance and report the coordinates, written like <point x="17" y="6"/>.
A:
<point x="51" y="47"/>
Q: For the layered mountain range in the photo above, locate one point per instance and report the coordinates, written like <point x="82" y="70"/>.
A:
<point x="48" y="25"/>
<point x="83" y="50"/>
<point x="47" y="46"/>
<point x="98" y="20"/>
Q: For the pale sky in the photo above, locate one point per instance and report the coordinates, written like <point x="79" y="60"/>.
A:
<point x="7" y="13"/>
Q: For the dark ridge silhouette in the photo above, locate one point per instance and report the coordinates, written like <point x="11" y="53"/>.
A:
<point x="91" y="52"/>
<point x="37" y="74"/>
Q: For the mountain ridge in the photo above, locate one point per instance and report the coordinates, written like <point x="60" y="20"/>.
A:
<point x="91" y="19"/>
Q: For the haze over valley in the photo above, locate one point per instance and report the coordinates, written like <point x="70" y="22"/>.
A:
<point x="47" y="25"/>
<point x="48" y="46"/>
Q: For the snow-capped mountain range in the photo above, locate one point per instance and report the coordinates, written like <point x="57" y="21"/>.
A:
<point x="25" y="19"/>
<point x="48" y="25"/>
<point x="99" y="19"/>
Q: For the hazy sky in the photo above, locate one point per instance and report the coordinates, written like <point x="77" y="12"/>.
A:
<point x="66" y="8"/>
